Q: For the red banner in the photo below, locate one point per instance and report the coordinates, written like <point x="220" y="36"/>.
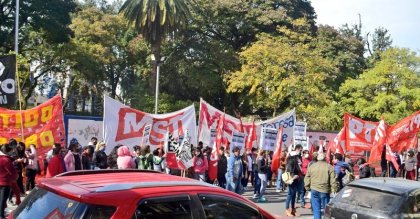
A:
<point x="359" y="133"/>
<point x="404" y="131"/>
<point x="42" y="125"/>
<point x="275" y="164"/>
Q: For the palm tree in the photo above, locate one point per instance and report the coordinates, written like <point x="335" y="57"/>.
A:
<point x="156" y="20"/>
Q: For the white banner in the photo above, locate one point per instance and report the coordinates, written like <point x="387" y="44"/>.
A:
<point x="268" y="139"/>
<point x="210" y="115"/>
<point x="83" y="130"/>
<point x="238" y="140"/>
<point x="125" y="125"/>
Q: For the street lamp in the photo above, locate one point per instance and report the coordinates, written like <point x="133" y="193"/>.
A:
<point x="158" y="62"/>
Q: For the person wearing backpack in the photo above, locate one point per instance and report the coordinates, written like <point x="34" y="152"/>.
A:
<point x="341" y="168"/>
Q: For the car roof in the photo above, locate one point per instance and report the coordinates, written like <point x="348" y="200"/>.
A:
<point x="392" y="185"/>
<point x="78" y="183"/>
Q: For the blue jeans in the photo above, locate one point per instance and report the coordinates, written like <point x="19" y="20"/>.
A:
<point x="263" y="179"/>
<point x="301" y="190"/>
<point x="257" y="183"/>
<point x="318" y="201"/>
<point x="291" y="195"/>
<point x="233" y="185"/>
<point x="279" y="181"/>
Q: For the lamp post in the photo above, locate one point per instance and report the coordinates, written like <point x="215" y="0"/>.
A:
<point x="158" y="62"/>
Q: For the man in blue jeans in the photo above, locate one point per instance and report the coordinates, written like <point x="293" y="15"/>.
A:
<point x="321" y="180"/>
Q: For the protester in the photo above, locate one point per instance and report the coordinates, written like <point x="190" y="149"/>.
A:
<point x="20" y="164"/>
<point x="364" y="168"/>
<point x="157" y="160"/>
<point x="234" y="171"/>
<point x="340" y="168"/>
<point x="99" y="157"/>
<point x="257" y="181"/>
<point x="263" y="169"/>
<point x="144" y="159"/>
<point x="8" y="174"/>
<point x="86" y="158"/>
<point x="384" y="163"/>
<point x="301" y="185"/>
<point x="113" y="156"/>
<point x="31" y="168"/>
<point x="55" y="165"/>
<point x="249" y="167"/>
<point x="292" y="167"/>
<point x="320" y="179"/>
<point x="124" y="160"/>
<point x="411" y="166"/>
<point x="222" y="168"/>
<point x="200" y="165"/>
<point x="17" y="164"/>
<point x="72" y="159"/>
<point x="394" y="171"/>
<point x="280" y="185"/>
<point x="306" y="160"/>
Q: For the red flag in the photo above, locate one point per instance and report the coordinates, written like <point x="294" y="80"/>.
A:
<point x="214" y="157"/>
<point x="378" y="142"/>
<point x="252" y="136"/>
<point x="390" y="157"/>
<point x="275" y="163"/>
<point x="328" y="155"/>
<point x="359" y="133"/>
<point x="241" y="125"/>
<point x="409" y="143"/>
<point x="339" y="141"/>
<point x="403" y="130"/>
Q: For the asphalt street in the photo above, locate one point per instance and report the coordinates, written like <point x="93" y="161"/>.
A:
<point x="276" y="203"/>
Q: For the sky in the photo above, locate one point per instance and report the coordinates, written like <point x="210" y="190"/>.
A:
<point x="401" y="18"/>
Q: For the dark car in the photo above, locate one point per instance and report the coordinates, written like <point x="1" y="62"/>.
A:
<point x="376" y="198"/>
<point x="103" y="194"/>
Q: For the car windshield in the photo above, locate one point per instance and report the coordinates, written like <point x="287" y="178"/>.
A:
<point x="366" y="198"/>
<point x="44" y="204"/>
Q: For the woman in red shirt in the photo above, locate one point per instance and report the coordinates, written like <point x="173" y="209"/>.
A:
<point x="55" y="165"/>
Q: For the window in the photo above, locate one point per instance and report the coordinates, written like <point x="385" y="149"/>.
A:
<point x="44" y="204"/>
<point x="164" y="208"/>
<point x="218" y="207"/>
<point x="369" y="199"/>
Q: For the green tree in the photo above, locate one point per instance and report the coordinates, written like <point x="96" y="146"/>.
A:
<point x="381" y="41"/>
<point x="156" y="20"/>
<point x="284" y="72"/>
<point x="47" y="17"/>
<point x="346" y="52"/>
<point x="390" y="88"/>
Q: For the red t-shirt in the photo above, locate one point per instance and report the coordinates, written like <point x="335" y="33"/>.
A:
<point x="55" y="166"/>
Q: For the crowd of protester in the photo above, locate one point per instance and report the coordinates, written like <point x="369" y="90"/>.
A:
<point x="300" y="172"/>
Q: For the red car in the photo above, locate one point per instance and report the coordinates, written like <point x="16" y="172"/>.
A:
<point x="132" y="194"/>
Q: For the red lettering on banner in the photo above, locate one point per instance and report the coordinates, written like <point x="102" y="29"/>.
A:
<point x="131" y="124"/>
<point x="161" y="126"/>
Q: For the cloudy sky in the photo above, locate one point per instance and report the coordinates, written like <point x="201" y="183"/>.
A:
<point x="401" y="18"/>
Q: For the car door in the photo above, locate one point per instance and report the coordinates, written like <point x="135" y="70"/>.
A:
<point x="166" y="207"/>
<point x="224" y="207"/>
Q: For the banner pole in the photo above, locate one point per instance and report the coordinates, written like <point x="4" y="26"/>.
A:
<point x="20" y="100"/>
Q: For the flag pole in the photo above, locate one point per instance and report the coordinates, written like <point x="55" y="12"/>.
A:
<point x="17" y="69"/>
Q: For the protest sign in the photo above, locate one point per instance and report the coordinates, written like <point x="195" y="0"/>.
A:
<point x="268" y="139"/>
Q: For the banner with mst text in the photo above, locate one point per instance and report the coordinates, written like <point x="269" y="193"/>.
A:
<point x="125" y="125"/>
<point x="42" y="125"/>
<point x="209" y="116"/>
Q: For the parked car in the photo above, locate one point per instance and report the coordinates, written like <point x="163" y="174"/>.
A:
<point x="376" y="198"/>
<point x="132" y="194"/>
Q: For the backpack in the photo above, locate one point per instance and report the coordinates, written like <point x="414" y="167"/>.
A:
<point x="349" y="177"/>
